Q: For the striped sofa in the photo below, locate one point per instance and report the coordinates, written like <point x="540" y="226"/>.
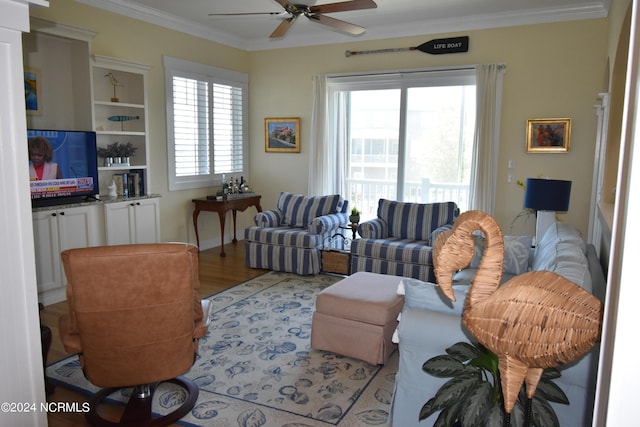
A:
<point x="399" y="240"/>
<point x="290" y="237"/>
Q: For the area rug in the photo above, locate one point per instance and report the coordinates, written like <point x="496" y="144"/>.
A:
<point x="256" y="367"/>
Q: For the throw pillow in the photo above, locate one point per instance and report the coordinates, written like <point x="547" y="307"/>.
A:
<point x="426" y="296"/>
<point x="517" y="250"/>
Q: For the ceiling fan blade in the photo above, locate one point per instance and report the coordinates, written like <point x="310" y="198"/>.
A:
<point x="337" y="24"/>
<point x="247" y="13"/>
<point x="283" y="3"/>
<point x="284" y="26"/>
<point x="342" y="6"/>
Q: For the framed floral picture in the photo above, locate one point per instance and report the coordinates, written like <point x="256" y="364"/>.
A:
<point x="548" y="135"/>
<point x="282" y="135"/>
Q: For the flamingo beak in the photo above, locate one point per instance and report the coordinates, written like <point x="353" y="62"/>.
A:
<point x="445" y="283"/>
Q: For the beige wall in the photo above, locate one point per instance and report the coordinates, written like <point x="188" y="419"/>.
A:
<point x="553" y="70"/>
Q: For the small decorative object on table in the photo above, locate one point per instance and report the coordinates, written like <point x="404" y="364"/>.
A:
<point x="122" y="119"/>
<point x="115" y="83"/>
<point x="117" y="154"/>
<point x="355" y="216"/>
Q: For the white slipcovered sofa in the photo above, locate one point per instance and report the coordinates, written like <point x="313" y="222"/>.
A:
<point x="430" y="323"/>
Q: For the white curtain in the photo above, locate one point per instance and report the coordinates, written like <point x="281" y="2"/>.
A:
<point x="319" y="132"/>
<point x="327" y="163"/>
<point x="484" y="171"/>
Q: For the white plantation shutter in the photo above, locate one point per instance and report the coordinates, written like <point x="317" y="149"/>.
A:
<point x="206" y="124"/>
<point x="191" y="127"/>
<point x="228" y="121"/>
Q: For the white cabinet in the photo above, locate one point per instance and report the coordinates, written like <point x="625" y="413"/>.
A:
<point x="54" y="231"/>
<point x="132" y="221"/>
<point x="119" y="115"/>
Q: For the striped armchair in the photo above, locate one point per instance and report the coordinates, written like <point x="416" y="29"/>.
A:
<point x="290" y="237"/>
<point x="399" y="240"/>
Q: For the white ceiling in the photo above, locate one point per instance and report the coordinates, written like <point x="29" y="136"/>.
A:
<point x="392" y="18"/>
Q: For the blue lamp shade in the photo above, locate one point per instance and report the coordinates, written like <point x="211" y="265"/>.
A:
<point x="547" y="194"/>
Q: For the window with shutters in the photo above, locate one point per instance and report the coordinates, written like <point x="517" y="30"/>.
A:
<point x="206" y="124"/>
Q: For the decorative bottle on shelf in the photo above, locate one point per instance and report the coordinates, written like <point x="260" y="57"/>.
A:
<point x="225" y="187"/>
<point x="231" y="185"/>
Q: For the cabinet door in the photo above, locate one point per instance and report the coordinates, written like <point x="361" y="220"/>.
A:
<point x="147" y="221"/>
<point x="54" y="231"/>
<point x="77" y="227"/>
<point x="47" y="250"/>
<point x="119" y="224"/>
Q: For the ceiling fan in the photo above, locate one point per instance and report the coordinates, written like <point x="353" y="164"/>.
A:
<point x="314" y="13"/>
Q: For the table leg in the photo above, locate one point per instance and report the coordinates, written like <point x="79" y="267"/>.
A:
<point x="234" y="226"/>
<point x="222" y="216"/>
<point x="195" y="226"/>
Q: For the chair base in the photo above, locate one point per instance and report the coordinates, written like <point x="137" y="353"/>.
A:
<point x="138" y="412"/>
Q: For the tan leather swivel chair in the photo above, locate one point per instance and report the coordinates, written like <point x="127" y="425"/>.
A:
<point x="135" y="316"/>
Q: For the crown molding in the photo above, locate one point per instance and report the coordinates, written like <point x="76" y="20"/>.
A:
<point x="594" y="10"/>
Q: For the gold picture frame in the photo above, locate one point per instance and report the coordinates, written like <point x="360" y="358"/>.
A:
<point x="548" y="135"/>
<point x="282" y="135"/>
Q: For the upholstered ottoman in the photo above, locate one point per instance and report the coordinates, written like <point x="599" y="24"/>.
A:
<point x="356" y="317"/>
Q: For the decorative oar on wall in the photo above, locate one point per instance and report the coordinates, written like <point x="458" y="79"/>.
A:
<point x="433" y="47"/>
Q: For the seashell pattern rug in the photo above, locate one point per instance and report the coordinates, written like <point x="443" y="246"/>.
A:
<point x="256" y="368"/>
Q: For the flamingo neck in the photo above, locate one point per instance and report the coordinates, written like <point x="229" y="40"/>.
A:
<point x="489" y="273"/>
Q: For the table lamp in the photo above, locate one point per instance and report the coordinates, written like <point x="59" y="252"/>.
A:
<point x="546" y="197"/>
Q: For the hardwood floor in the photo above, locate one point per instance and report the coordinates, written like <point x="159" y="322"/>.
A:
<point x="216" y="274"/>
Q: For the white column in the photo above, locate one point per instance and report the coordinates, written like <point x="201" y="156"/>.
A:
<point x="20" y="354"/>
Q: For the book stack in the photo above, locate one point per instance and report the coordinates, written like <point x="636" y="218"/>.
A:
<point x="129" y="184"/>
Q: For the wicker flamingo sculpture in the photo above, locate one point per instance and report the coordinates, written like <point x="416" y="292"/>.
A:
<point x="535" y="321"/>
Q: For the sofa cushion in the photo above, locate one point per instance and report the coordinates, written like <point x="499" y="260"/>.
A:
<point x="561" y="232"/>
<point x="394" y="249"/>
<point x="415" y="221"/>
<point x="563" y="251"/>
<point x="283" y="236"/>
<point x="300" y="210"/>
<point x="567" y="260"/>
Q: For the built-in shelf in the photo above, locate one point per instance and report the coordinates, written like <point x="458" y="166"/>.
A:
<point x="119" y="104"/>
<point x="119" y="90"/>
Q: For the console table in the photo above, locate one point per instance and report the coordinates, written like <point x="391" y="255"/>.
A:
<point x="233" y="204"/>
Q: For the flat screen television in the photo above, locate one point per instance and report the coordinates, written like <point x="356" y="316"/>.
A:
<point x="63" y="166"/>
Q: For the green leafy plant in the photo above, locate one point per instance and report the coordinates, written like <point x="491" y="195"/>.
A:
<point x="473" y="395"/>
<point x="116" y="149"/>
<point x="355" y="212"/>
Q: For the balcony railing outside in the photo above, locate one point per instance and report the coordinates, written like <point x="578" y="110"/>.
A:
<point x="364" y="194"/>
